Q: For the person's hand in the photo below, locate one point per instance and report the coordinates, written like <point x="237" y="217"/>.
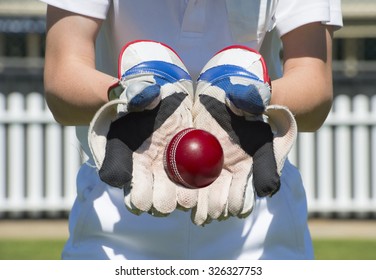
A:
<point x="127" y="136"/>
<point x="232" y="102"/>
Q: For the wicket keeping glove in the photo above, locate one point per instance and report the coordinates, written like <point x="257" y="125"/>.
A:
<point x="232" y="102"/>
<point x="127" y="136"/>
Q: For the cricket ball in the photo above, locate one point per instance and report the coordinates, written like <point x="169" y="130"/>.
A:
<point x="193" y="158"/>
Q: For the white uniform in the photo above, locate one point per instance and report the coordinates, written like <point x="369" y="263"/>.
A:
<point x="100" y="225"/>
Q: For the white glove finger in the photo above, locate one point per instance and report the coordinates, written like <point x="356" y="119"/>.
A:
<point x="140" y="197"/>
<point x="199" y="213"/>
<point x="238" y="189"/>
<point x="219" y="192"/>
<point x="249" y="199"/>
<point x="164" y="190"/>
<point x="187" y="198"/>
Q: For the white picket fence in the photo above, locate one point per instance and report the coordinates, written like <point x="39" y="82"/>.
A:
<point x="39" y="159"/>
<point x="338" y="163"/>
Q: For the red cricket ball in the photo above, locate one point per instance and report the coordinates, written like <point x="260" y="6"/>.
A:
<point x="193" y="158"/>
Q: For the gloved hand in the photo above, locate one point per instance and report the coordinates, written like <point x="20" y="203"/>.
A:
<point x="127" y="136"/>
<point x="232" y="102"/>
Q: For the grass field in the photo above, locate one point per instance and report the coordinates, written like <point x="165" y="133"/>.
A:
<point x="30" y="249"/>
<point x="345" y="249"/>
<point x="325" y="249"/>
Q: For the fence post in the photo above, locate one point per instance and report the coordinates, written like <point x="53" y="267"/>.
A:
<point x="54" y="166"/>
<point x="306" y="151"/>
<point x="16" y="153"/>
<point x="361" y="153"/>
<point x="373" y="148"/>
<point x="324" y="167"/>
<point x="342" y="148"/>
<point x="2" y="153"/>
<point x="35" y="152"/>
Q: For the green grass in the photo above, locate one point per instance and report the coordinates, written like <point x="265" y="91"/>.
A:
<point x="349" y="249"/>
<point x="325" y="249"/>
<point x="30" y="249"/>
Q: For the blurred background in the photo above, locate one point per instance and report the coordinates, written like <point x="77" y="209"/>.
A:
<point x="39" y="158"/>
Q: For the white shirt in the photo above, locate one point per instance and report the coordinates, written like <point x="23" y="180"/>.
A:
<point x="196" y="30"/>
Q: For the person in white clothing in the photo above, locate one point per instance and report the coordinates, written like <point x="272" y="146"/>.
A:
<point x="84" y="39"/>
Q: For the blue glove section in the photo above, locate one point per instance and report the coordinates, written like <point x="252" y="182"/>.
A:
<point x="164" y="72"/>
<point x="140" y="96"/>
<point x="219" y="72"/>
<point x="144" y="97"/>
<point x="244" y="97"/>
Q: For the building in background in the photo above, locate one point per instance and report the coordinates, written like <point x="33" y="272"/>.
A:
<point x="22" y="34"/>
<point x="355" y="49"/>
